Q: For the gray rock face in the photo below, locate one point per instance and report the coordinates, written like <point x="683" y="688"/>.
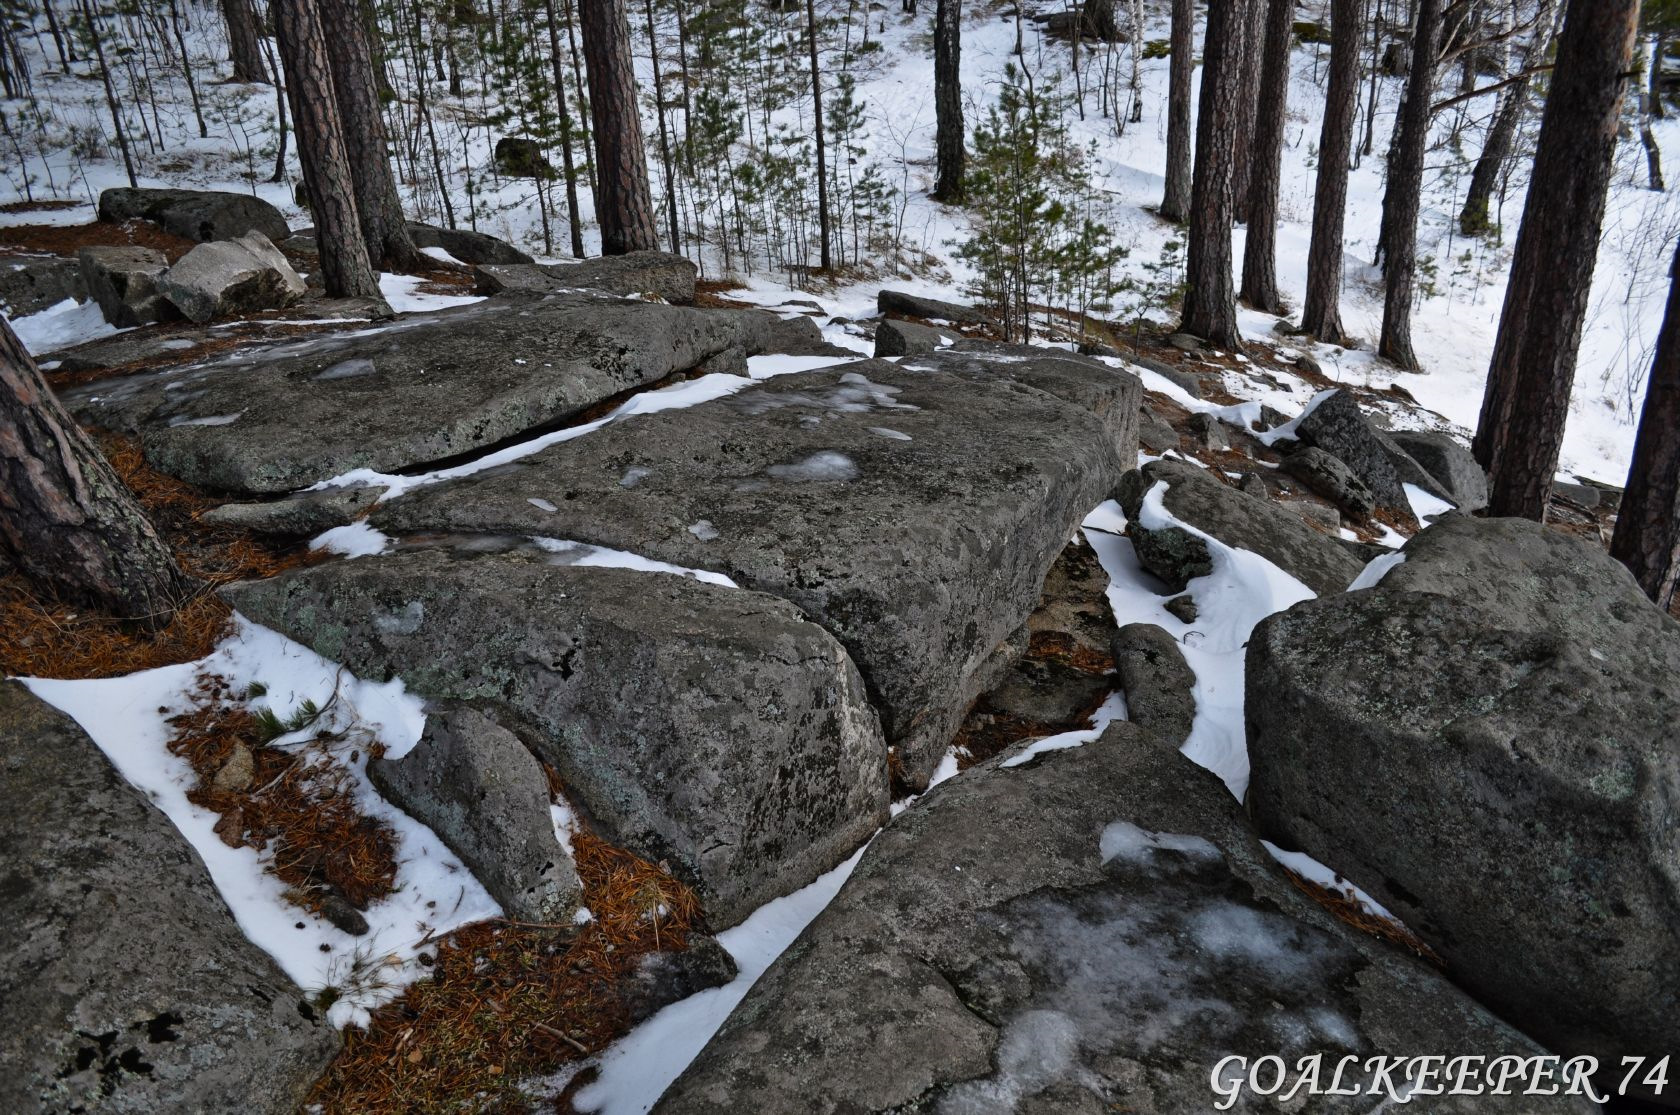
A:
<point x="304" y="514"/>
<point x="661" y="274"/>
<point x="128" y="986"/>
<point x="465" y="244"/>
<point x="913" y="511"/>
<point x="1157" y="681"/>
<point x="712" y="728"/>
<point x="425" y="389"/>
<point x="663" y="978"/>
<point x="1330" y="478"/>
<point x="32" y="284"/>
<point x="1153" y="433"/>
<point x="231" y="276"/>
<point x="124" y="281"/>
<point x="202" y="215"/>
<point x="906" y="338"/>
<point x="1206" y="431"/>
<point x="474" y="784"/>
<point x="1507" y="698"/>
<point x="1235" y="518"/>
<point x="1460" y="478"/>
<point x="125" y="348"/>
<point x="904" y="304"/>
<point x="1340" y="428"/>
<point x="1091" y="931"/>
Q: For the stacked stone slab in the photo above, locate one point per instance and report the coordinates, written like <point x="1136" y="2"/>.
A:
<point x="911" y="510"/>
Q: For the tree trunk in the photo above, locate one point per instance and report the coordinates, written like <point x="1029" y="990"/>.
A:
<point x="98" y="41"/>
<point x="567" y="166"/>
<point x="1405" y="185"/>
<point x="664" y="131"/>
<point x="1181" y="63"/>
<point x="623" y="200"/>
<point x="817" y="127"/>
<point x="345" y="269"/>
<point x="1096" y="18"/>
<point x="1658" y="43"/>
<point x="947" y="100"/>
<point x="244" y="42"/>
<point x="1210" y="303"/>
<point x="1259" y="285"/>
<point x="66" y="520"/>
<point x="1475" y="217"/>
<point x="1527" y="397"/>
<point x="384" y="229"/>
<point x="1647" y="538"/>
<point x="1242" y="162"/>
<point x="1321" y="315"/>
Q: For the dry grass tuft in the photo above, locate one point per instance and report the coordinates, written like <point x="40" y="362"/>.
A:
<point x="510" y="1001"/>
<point x="299" y="803"/>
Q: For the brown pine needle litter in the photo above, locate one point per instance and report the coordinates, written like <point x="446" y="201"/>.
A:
<point x="1347" y="909"/>
<point x="42" y="636"/>
<point x="510" y="1001"/>
<point x="297" y="803"/>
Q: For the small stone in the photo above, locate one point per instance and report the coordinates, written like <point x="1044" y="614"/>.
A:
<point x="1184" y="607"/>
<point x="1184" y="342"/>
<point x="1205" y="430"/>
<point x="236" y="774"/>
<point x="337" y="910"/>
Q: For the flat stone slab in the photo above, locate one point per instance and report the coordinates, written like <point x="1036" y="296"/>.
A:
<point x="710" y="727"/>
<point x="30" y="284"/>
<point x="127" y="985"/>
<point x="912" y="511"/>
<point x="1091" y="931"/>
<point x="666" y="276"/>
<point x="904" y="304"/>
<point x="417" y="391"/>
<point x="201" y="215"/>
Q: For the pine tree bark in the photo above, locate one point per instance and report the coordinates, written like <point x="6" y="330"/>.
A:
<point x="1242" y="162"/>
<point x="947" y="101"/>
<point x="1259" y="285"/>
<point x="66" y="520"/>
<point x="384" y="229"/>
<point x="623" y="199"/>
<point x="1321" y="314"/>
<point x="1526" y="401"/>
<point x="1405" y="188"/>
<point x="1210" y="301"/>
<point x="244" y="42"/>
<point x="1647" y="538"/>
<point x="346" y="270"/>
<point x="1475" y="216"/>
<point x="1181" y="64"/>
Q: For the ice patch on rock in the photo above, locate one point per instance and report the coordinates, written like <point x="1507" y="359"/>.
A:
<point x="824" y="465"/>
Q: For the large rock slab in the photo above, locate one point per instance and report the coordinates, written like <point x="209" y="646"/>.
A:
<point x="1092" y="931"/>
<point x="710" y="727"/>
<point x="465" y="244"/>
<point x="900" y="303"/>
<point x="127" y="985"/>
<point x="1486" y="742"/>
<point x="473" y="782"/>
<point x="31" y="284"/>
<point x="1337" y="426"/>
<point x="202" y="215"/>
<point x="912" y="511"/>
<point x="423" y="390"/>
<point x="660" y="274"/>
<point x="1461" y="479"/>
<point x="906" y="338"/>
<point x="125" y="283"/>
<point x="231" y="276"/>
<point x="1234" y="517"/>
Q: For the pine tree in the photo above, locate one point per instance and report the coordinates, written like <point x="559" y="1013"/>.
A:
<point x="66" y="520"/>
<point x="1210" y="302"/>
<point x="623" y="199"/>
<point x="1321" y="314"/>
<point x="947" y="100"/>
<point x="1647" y="538"/>
<point x="345" y="268"/>
<point x="244" y="41"/>
<point x="1175" y="201"/>
<point x="1259" y="282"/>
<point x="1398" y="238"/>
<point x="1533" y="369"/>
